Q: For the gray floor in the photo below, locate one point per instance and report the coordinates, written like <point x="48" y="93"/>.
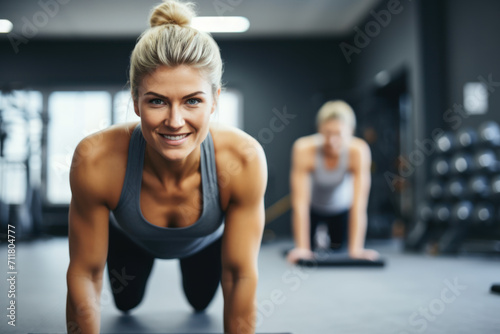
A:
<point x="410" y="295"/>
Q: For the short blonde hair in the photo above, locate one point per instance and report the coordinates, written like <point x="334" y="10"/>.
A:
<point x="170" y="41"/>
<point x="337" y="109"/>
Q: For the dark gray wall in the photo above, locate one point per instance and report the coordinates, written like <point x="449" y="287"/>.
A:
<point x="395" y="47"/>
<point x="473" y="45"/>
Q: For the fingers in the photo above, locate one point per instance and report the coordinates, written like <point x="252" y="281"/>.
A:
<point x="297" y="254"/>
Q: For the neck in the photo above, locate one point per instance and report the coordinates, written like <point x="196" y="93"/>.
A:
<point x="167" y="170"/>
<point x="329" y="152"/>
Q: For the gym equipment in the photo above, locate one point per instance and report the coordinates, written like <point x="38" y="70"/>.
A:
<point x="454" y="189"/>
<point x="441" y="213"/>
<point x="446" y="142"/>
<point x="425" y="212"/>
<point x="461" y="163"/>
<point x="485" y="161"/>
<point x="16" y="120"/>
<point x="440" y="167"/>
<point x="329" y="258"/>
<point x="483" y="214"/>
<point x="466" y="138"/>
<point x="495" y="188"/>
<point x="461" y="213"/>
<point x="339" y="260"/>
<point x="478" y="186"/>
<point x="435" y="190"/>
<point x="489" y="134"/>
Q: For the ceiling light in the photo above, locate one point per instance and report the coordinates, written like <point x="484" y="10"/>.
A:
<point x="5" y="26"/>
<point x="226" y="24"/>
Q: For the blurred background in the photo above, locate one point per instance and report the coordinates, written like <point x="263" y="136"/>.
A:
<point x="414" y="71"/>
<point x="423" y="77"/>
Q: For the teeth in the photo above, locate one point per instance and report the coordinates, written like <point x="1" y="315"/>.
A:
<point x="174" y="137"/>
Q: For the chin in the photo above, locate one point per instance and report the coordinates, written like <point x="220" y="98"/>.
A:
<point x="175" y="154"/>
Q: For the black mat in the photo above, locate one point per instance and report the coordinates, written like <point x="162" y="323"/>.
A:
<point x="340" y="261"/>
<point x="327" y="258"/>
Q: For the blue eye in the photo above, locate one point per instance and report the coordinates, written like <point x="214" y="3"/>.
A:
<point x="193" y="101"/>
<point x="155" y="101"/>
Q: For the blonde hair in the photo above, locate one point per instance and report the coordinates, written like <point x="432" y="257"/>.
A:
<point x="337" y="109"/>
<point x="171" y="41"/>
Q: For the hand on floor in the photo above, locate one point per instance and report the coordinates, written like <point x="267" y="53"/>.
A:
<point x="365" y="254"/>
<point x="297" y="254"/>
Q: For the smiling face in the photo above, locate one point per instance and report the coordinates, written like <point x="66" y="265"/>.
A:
<point x="337" y="135"/>
<point x="175" y="105"/>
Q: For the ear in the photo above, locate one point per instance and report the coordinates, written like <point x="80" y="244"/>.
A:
<point x="216" y="101"/>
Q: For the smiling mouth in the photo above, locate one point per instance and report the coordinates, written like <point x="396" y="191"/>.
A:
<point x="176" y="137"/>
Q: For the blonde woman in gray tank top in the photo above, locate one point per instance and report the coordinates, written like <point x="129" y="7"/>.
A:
<point x="171" y="187"/>
<point x="330" y="181"/>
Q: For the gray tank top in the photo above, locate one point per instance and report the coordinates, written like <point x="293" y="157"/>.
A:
<point x="332" y="190"/>
<point x="164" y="242"/>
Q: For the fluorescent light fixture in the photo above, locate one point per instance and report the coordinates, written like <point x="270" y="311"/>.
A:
<point x="226" y="24"/>
<point x="5" y="26"/>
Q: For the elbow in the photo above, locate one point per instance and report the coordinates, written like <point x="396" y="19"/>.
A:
<point x="237" y="273"/>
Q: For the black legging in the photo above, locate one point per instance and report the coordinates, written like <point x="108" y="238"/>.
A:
<point x="129" y="267"/>
<point x="337" y="228"/>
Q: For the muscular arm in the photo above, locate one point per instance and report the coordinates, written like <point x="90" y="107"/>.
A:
<point x="361" y="162"/>
<point x="241" y="243"/>
<point x="88" y="242"/>
<point x="300" y="184"/>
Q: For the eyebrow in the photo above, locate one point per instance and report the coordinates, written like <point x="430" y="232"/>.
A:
<point x="166" y="98"/>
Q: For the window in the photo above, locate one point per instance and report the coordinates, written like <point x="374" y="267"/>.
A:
<point x="72" y="116"/>
<point x="123" y="108"/>
<point x="20" y="162"/>
<point x="230" y="109"/>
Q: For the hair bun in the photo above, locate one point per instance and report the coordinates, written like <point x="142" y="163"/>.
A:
<point x="172" y="12"/>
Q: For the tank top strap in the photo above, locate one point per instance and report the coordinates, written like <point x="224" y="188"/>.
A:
<point x="208" y="167"/>
<point x="135" y="161"/>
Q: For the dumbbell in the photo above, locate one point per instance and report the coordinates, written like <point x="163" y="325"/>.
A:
<point x="441" y="213"/>
<point x="435" y="190"/>
<point x="495" y="188"/>
<point x="478" y="186"/>
<point x="440" y="167"/>
<point x="425" y="212"/>
<point x="455" y="189"/>
<point x="461" y="163"/>
<point x="489" y="134"/>
<point x="483" y="214"/>
<point x="466" y="138"/>
<point x="446" y="142"/>
<point x="485" y="161"/>
<point x="461" y="213"/>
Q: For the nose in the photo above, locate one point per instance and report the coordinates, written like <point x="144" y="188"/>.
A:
<point x="174" y="118"/>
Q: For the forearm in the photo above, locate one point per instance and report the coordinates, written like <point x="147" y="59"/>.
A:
<point x="357" y="230"/>
<point x="301" y="227"/>
<point x="239" y="304"/>
<point x="82" y="305"/>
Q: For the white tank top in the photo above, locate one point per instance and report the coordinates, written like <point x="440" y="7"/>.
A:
<point x="332" y="189"/>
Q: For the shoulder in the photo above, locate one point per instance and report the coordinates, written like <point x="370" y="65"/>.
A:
<point x="304" y="150"/>
<point x="99" y="163"/>
<point x="232" y="144"/>
<point x="241" y="161"/>
<point x="307" y="144"/>
<point x="359" y="153"/>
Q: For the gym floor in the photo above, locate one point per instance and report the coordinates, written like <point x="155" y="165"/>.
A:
<point x="413" y="293"/>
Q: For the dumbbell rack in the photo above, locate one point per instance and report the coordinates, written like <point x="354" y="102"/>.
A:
<point x="462" y="198"/>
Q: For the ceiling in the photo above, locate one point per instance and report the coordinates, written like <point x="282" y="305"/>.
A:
<point x="128" y="18"/>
